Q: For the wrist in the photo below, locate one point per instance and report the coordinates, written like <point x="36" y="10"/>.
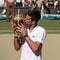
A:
<point x="26" y="35"/>
<point x="15" y="37"/>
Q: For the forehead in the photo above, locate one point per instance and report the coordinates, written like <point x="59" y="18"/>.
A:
<point x="28" y="17"/>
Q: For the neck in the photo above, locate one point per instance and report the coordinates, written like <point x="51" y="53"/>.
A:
<point x="32" y="26"/>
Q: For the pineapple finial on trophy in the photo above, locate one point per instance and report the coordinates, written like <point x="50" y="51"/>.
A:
<point x="18" y="17"/>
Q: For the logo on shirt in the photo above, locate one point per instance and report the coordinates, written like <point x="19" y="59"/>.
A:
<point x="33" y="36"/>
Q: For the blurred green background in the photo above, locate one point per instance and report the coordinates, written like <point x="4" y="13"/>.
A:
<point x="47" y="24"/>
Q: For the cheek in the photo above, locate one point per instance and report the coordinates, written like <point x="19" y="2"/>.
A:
<point x="28" y="21"/>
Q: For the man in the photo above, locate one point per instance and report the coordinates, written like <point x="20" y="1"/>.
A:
<point x="34" y="36"/>
<point x="40" y="6"/>
<point x="34" y="5"/>
<point x="10" y="7"/>
<point x="18" y="3"/>
<point x="46" y="7"/>
<point x="39" y="3"/>
<point x="2" y="5"/>
<point x="50" y="2"/>
<point x="57" y="6"/>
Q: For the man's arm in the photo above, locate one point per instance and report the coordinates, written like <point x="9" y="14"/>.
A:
<point x="17" y="44"/>
<point x="33" y="45"/>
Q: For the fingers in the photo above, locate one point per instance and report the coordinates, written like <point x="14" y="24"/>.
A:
<point x="13" y="26"/>
<point x="20" y="25"/>
<point x="18" y="28"/>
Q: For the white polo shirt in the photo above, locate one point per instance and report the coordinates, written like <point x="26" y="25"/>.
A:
<point x="37" y="34"/>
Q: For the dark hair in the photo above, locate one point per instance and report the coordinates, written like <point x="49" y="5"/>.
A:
<point x="34" y="14"/>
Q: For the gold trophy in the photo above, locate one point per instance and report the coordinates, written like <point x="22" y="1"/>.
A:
<point x="18" y="20"/>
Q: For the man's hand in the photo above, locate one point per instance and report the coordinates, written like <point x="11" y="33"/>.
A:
<point x="21" y="28"/>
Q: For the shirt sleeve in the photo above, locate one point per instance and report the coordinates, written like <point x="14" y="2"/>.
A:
<point x="41" y="36"/>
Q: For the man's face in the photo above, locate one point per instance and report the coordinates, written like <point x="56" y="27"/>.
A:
<point x="28" y="20"/>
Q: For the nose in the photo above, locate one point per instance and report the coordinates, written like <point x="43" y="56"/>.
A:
<point x="24" y="20"/>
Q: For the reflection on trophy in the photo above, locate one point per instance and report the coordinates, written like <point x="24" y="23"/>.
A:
<point x="18" y="20"/>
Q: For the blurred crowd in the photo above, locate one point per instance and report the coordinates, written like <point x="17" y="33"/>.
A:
<point x="42" y="5"/>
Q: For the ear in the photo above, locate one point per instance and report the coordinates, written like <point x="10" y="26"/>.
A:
<point x="33" y="22"/>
